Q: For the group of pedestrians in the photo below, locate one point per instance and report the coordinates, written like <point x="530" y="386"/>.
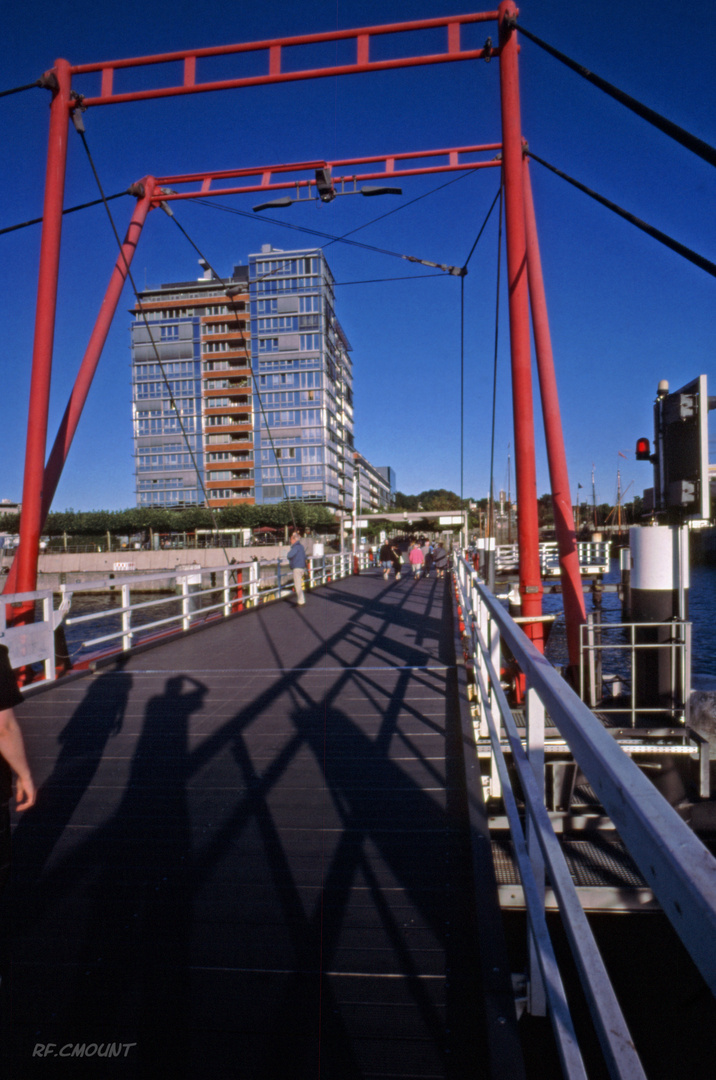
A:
<point x="422" y="558"/>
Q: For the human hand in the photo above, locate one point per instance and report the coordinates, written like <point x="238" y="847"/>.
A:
<point x="25" y="792"/>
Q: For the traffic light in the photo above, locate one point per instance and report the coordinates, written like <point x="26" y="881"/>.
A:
<point x="681" y="449"/>
<point x="643" y="450"/>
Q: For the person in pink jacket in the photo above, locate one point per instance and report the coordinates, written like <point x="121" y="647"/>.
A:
<point x="416" y="560"/>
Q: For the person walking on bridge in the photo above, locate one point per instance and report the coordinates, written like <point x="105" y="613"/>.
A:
<point x="297" y="561"/>
<point x="387" y="558"/>
<point x="416" y="560"/>
<point x="440" y="560"/>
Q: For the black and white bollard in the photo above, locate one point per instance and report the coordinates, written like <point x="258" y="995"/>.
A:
<point x="659" y="593"/>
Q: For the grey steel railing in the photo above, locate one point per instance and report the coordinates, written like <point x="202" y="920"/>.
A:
<point x="673" y="861"/>
<point x="199" y="593"/>
<point x="593" y="557"/>
<point x="600" y="640"/>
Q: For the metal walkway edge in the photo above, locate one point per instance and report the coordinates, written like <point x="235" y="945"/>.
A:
<point x="251" y="857"/>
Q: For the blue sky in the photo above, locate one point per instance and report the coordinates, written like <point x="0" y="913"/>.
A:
<point x="624" y="311"/>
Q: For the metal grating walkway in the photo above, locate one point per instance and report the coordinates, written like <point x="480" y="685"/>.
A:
<point x="251" y="855"/>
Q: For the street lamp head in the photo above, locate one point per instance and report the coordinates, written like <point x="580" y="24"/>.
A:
<point x="286" y="201"/>
<point x="369" y="190"/>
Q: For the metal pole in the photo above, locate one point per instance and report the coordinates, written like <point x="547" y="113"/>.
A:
<point x="36" y="444"/>
<point x="574" y="610"/>
<point x="512" y="153"/>
<point x="78" y="397"/>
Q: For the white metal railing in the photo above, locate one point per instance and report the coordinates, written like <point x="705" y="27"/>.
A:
<point x="599" y="640"/>
<point x="200" y="592"/>
<point x="673" y="861"/>
<point x="593" y="557"/>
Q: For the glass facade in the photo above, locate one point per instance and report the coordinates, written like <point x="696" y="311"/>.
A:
<point x="303" y="381"/>
<point x="247" y="382"/>
<point x="191" y="393"/>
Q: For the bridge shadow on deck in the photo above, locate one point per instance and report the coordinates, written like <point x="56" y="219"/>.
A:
<point x="250" y="854"/>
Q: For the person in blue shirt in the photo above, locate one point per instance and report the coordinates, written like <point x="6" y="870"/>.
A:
<point x="297" y="561"/>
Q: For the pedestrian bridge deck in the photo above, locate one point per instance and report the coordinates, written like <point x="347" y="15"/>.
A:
<point x="251" y="854"/>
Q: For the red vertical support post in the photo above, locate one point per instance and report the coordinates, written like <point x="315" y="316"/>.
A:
<point x="61" y="448"/>
<point x="88" y="367"/>
<point x="525" y="470"/>
<point x="30" y="521"/>
<point x="573" y="596"/>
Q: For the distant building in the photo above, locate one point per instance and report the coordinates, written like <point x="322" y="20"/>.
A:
<point x="7" y="506"/>
<point x="374" y="487"/>
<point x="242" y="391"/>
<point x="303" y="381"/>
<point x="191" y="393"/>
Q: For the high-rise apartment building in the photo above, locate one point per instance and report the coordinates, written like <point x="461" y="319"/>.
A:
<point x="242" y="390"/>
<point x="191" y="393"/>
<point x="303" y="381"/>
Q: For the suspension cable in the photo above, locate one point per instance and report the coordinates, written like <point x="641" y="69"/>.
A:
<point x="69" y="210"/>
<point x="172" y="402"/>
<point x="327" y="236"/>
<point x="494" y="376"/>
<point x="256" y="386"/>
<point x="691" y="142"/>
<point x="650" y="230"/>
<point x="463" y="274"/>
<point x="18" y="89"/>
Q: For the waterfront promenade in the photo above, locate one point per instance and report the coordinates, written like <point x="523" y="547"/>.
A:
<point x="254" y="854"/>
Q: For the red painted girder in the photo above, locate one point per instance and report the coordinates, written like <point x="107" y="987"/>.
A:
<point x="338" y="181"/>
<point x="267" y="171"/>
<point x="31" y="516"/>
<point x="520" y="344"/>
<point x="274" y="47"/>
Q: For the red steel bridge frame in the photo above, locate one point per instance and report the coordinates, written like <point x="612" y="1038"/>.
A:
<point x="523" y="269"/>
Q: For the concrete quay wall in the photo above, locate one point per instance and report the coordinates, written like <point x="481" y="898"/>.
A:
<point x="84" y="568"/>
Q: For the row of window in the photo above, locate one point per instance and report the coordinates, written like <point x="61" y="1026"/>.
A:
<point x="223" y="346"/>
<point x="286" y="285"/>
<point x="154" y="462"/>
<point x="177" y="388"/>
<point x="227" y="421"/>
<point x="167" y="425"/>
<point x="227" y="384"/>
<point x="230" y="474"/>
<point x="292" y="417"/>
<point x="291" y="453"/>
<point x="225" y="365"/>
<point x="231" y="493"/>
<point x="185" y="407"/>
<point x="169" y="498"/>
<point x="306" y="305"/>
<point x="229" y="455"/>
<point x="306" y="343"/>
<point x="281" y="365"/>
<point x="223" y="327"/>
<point x="172" y="367"/>
<point x="303" y="265"/>
<point x="240" y="400"/>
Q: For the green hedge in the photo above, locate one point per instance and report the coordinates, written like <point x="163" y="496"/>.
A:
<point x="128" y="522"/>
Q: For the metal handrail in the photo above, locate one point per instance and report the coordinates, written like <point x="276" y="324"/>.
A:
<point x="240" y="586"/>
<point x="673" y="861"/>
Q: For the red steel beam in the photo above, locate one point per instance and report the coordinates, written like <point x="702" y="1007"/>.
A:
<point x="31" y="516"/>
<point x="88" y="367"/>
<point x="572" y="593"/>
<point x="274" y="48"/>
<point x="266" y="174"/>
<point x="525" y="470"/>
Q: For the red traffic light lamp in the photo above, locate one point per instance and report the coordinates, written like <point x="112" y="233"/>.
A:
<point x="643" y="450"/>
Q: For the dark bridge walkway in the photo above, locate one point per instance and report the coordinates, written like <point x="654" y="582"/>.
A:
<point x="250" y="855"/>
